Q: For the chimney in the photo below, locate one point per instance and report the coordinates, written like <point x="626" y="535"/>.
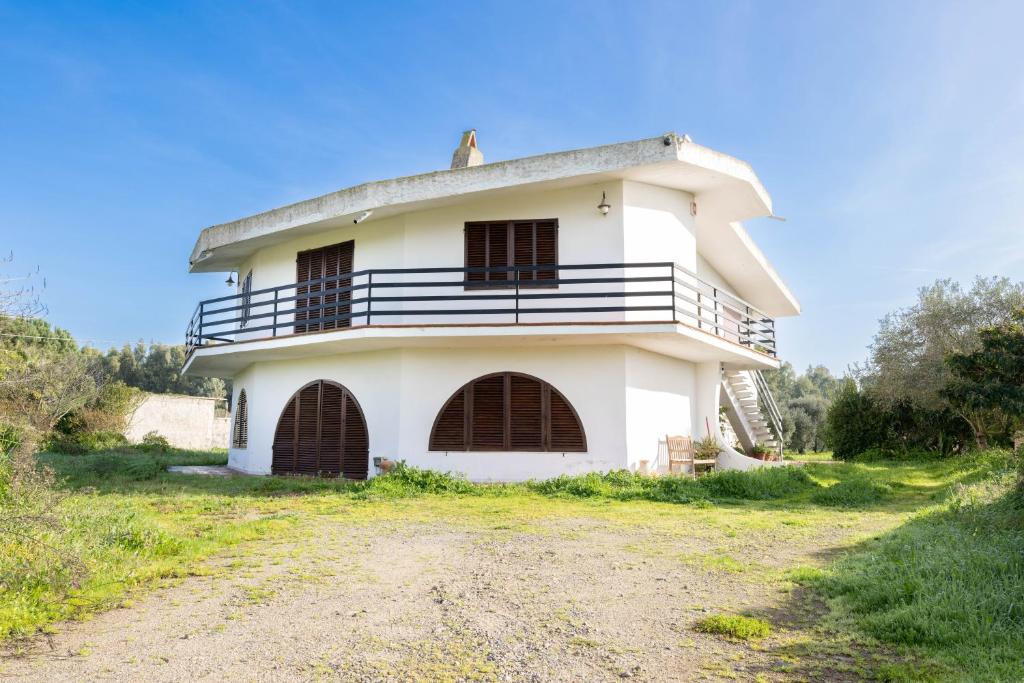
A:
<point x="466" y="154"/>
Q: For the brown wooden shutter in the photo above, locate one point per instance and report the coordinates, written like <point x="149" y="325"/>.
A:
<point x="507" y="412"/>
<point x="283" y="459"/>
<point x="240" y="438"/>
<point x="487" y="410"/>
<point x="498" y="251"/>
<point x="546" y="250"/>
<point x="331" y="425"/>
<point x="525" y="414"/>
<point x="356" y="452"/>
<point x="326" y="262"/>
<point x="246" y="300"/>
<point x="476" y="250"/>
<point x="322" y="432"/>
<point x="307" y="431"/>
<point x="449" y="432"/>
<point x="302" y="264"/>
<point x="504" y="244"/>
<point x="525" y="240"/>
<point x="566" y="430"/>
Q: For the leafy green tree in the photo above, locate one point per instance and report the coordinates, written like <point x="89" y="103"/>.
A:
<point x="990" y="380"/>
<point x="907" y="360"/>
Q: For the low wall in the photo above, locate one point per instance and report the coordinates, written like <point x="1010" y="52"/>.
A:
<point x="185" y="421"/>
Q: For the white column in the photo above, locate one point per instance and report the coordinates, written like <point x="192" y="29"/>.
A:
<point x="708" y="390"/>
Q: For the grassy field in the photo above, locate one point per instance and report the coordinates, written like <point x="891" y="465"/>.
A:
<point x="940" y="585"/>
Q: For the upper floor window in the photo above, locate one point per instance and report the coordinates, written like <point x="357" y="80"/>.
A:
<point x="240" y="437"/>
<point x="322" y="302"/>
<point x="246" y="300"/>
<point x="506" y="244"/>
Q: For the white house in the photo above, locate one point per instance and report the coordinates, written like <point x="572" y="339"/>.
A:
<point x="554" y="314"/>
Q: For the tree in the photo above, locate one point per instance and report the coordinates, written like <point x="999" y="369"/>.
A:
<point x="803" y="401"/>
<point x="157" y="368"/>
<point x="907" y="360"/>
<point x="990" y="380"/>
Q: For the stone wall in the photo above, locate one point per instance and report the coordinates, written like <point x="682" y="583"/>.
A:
<point x="185" y="421"/>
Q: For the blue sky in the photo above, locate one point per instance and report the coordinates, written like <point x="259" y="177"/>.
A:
<point x="890" y="134"/>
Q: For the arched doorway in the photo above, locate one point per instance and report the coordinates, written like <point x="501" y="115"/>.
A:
<point x="322" y="432"/>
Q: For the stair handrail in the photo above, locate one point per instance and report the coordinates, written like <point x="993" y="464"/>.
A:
<point x="766" y="399"/>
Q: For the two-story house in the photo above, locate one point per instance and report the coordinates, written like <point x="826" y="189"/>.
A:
<point x="554" y="314"/>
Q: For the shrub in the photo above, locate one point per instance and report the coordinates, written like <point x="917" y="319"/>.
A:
<point x="734" y="627"/>
<point x="153" y="442"/>
<point x="707" y="448"/>
<point x="851" y="493"/>
<point x="763" y="483"/>
<point x="404" y="480"/>
<point x="854" y="423"/>
<point x="88" y="442"/>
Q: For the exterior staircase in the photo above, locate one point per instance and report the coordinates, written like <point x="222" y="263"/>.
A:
<point x="751" y="410"/>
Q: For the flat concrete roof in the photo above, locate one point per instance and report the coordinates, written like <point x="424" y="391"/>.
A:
<point x="668" y="160"/>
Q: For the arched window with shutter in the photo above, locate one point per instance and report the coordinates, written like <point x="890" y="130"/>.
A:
<point x="240" y="437"/>
<point x="508" y="411"/>
<point x="322" y="432"/>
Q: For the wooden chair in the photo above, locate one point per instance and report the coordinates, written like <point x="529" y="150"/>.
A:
<point x="682" y="453"/>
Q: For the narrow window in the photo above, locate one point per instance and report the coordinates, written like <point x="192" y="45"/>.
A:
<point x="508" y="411"/>
<point x="246" y="300"/>
<point x="500" y="246"/>
<point x="240" y="438"/>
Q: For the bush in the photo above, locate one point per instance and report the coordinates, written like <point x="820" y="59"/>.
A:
<point x="83" y="443"/>
<point x="735" y="627"/>
<point x="403" y="480"/>
<point x="854" y="423"/>
<point x="153" y="442"/>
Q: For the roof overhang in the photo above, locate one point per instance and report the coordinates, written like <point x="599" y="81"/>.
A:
<point x="727" y="186"/>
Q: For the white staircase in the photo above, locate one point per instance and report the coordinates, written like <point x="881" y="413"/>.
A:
<point x="751" y="409"/>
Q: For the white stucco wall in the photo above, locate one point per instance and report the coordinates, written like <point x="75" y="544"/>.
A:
<point x="627" y="400"/>
<point x="646" y="223"/>
<point x="660" y="394"/>
<point x="185" y="421"/>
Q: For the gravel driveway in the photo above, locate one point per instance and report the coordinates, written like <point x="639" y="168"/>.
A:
<point x="567" y="598"/>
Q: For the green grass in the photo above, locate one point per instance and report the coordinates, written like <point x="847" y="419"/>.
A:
<point x="820" y="456"/>
<point x="947" y="586"/>
<point x="943" y="586"/>
<point x="734" y="627"/>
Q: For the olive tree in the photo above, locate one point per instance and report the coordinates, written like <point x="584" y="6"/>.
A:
<point x="907" y="359"/>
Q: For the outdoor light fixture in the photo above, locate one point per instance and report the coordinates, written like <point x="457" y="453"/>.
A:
<point x="230" y="282"/>
<point x="604" y="207"/>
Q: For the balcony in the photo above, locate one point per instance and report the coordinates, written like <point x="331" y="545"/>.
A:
<point x="454" y="299"/>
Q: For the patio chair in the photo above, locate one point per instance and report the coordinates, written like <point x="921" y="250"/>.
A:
<point x="682" y="453"/>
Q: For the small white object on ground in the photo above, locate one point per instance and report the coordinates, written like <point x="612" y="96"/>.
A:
<point x="208" y="470"/>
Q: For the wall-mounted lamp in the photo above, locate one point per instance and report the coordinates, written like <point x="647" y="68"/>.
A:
<point x="604" y="207"/>
<point x="230" y="282"/>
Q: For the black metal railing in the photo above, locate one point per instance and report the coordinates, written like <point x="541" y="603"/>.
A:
<point x="606" y="292"/>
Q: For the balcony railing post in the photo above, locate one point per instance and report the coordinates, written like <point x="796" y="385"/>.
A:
<point x="199" y="340"/>
<point x="715" y="294"/>
<point x="369" y="296"/>
<point x="516" y="274"/>
<point x="672" y="275"/>
<point x="276" y="291"/>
